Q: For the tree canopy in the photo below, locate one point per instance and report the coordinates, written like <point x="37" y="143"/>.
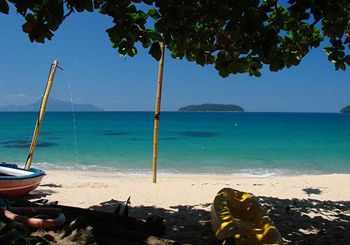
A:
<point x="236" y="36"/>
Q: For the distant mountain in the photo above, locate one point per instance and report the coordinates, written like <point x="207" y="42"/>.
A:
<point x="52" y="105"/>
<point x="211" y="108"/>
<point x="346" y="109"/>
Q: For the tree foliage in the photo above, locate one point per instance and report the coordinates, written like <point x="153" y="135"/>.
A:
<point x="236" y="36"/>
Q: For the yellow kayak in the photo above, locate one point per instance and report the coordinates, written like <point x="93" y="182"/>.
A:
<point x="237" y="218"/>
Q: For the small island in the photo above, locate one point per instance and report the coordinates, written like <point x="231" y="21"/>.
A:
<point x="346" y="109"/>
<point x="212" y="108"/>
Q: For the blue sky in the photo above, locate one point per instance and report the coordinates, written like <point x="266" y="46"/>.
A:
<point x="98" y="75"/>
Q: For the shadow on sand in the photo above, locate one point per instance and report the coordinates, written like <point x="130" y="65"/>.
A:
<point x="184" y="224"/>
<point x="300" y="221"/>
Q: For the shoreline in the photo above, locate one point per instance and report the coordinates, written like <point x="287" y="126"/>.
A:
<point x="245" y="173"/>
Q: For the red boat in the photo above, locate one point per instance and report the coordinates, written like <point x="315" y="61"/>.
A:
<point x="15" y="181"/>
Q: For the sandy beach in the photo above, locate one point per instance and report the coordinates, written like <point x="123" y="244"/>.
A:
<point x="306" y="209"/>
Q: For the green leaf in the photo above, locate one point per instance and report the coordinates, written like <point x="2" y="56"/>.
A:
<point x="343" y="66"/>
<point x="256" y="73"/>
<point x="79" y="5"/>
<point x="4" y="7"/>
<point x="223" y="71"/>
<point x="153" y="13"/>
<point x="137" y="16"/>
<point x="89" y="6"/>
<point x="328" y="50"/>
<point x="155" y="51"/>
<point x="149" y="2"/>
<point x="201" y="59"/>
<point x="155" y="36"/>
<point x="98" y="3"/>
<point x="158" y="26"/>
<point x="347" y="59"/>
<point x="275" y="65"/>
<point x="132" y="52"/>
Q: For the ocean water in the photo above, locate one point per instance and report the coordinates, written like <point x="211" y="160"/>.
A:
<point x="252" y="144"/>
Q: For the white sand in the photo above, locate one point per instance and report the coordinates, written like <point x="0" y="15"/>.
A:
<point x="85" y="189"/>
<point x="306" y="209"/>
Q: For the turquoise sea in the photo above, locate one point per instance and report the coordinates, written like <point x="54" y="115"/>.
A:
<point x="257" y="144"/>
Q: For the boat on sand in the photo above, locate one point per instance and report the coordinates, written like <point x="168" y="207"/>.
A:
<point x="238" y="218"/>
<point x="16" y="181"/>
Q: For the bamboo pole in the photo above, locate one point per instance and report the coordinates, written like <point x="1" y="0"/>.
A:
<point x="157" y="112"/>
<point x="41" y="114"/>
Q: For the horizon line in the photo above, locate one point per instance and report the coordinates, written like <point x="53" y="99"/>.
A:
<point x="101" y="111"/>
